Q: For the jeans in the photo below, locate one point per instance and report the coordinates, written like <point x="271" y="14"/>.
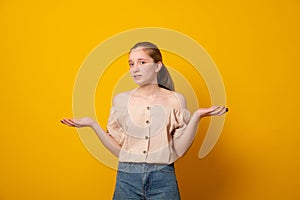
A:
<point x="142" y="181"/>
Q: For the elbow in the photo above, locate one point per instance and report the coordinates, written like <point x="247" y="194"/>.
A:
<point x="180" y="153"/>
<point x="116" y="153"/>
<point x="181" y="150"/>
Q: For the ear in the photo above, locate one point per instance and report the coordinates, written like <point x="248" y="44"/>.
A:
<point x="158" y="66"/>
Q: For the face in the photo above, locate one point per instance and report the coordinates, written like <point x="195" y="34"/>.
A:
<point x="143" y="70"/>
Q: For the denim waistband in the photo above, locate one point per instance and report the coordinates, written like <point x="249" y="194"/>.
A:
<point x="132" y="167"/>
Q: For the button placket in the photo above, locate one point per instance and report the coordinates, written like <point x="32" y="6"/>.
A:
<point x="147" y="121"/>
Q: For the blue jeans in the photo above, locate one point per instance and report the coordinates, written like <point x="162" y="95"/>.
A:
<point x="142" y="181"/>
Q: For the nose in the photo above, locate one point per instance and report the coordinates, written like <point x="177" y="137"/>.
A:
<point x="135" y="68"/>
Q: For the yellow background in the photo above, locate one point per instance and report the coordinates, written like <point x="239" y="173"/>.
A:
<point x="255" y="45"/>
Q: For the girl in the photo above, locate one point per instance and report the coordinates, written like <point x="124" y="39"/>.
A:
<point x="149" y="128"/>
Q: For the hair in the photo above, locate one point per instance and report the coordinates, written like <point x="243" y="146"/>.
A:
<point x="164" y="78"/>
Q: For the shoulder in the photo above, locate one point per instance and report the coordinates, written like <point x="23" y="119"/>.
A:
<point x="121" y="99"/>
<point x="180" y="98"/>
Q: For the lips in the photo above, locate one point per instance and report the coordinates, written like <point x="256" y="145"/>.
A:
<point x="137" y="76"/>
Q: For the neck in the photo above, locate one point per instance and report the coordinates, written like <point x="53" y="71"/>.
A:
<point x="148" y="90"/>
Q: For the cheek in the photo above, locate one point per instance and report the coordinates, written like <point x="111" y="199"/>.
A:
<point x="131" y="70"/>
<point x="147" y="69"/>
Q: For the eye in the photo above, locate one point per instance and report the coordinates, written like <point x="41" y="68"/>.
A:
<point x="130" y="64"/>
<point x="142" y="62"/>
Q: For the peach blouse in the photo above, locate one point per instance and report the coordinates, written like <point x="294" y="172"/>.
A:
<point x="146" y="132"/>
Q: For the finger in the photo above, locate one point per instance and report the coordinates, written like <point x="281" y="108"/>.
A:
<point x="77" y="123"/>
<point x="211" y="110"/>
<point x="222" y="111"/>
<point x="216" y="110"/>
<point x="63" y="121"/>
<point x="68" y="122"/>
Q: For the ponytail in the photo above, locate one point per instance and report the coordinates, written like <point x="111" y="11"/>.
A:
<point x="164" y="79"/>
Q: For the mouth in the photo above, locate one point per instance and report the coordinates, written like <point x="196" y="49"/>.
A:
<point x="137" y="76"/>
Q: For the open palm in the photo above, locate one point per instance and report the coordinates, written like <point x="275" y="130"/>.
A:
<point x="78" y="123"/>
<point x="212" y="111"/>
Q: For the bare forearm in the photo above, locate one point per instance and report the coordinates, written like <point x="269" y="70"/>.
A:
<point x="107" y="140"/>
<point x="183" y="143"/>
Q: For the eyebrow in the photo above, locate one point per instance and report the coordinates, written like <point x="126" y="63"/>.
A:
<point x="139" y="59"/>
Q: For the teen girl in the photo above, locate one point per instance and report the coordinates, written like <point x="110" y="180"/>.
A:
<point x="149" y="128"/>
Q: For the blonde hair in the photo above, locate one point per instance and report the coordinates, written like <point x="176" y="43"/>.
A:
<point x="164" y="78"/>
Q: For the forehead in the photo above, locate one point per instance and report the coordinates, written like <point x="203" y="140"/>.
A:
<point x="138" y="53"/>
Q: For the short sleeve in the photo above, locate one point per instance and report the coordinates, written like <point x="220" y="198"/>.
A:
<point x="181" y="120"/>
<point x="116" y="123"/>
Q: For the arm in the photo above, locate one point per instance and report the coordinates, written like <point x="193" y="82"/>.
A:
<point x="182" y="143"/>
<point x="104" y="137"/>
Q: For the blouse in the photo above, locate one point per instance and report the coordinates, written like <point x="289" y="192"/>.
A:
<point x="146" y="132"/>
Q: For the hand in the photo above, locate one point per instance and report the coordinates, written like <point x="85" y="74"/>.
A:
<point x="212" y="111"/>
<point x="78" y="123"/>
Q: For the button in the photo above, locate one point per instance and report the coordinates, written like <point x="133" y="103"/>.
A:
<point x="146" y="137"/>
<point x="148" y="108"/>
<point x="147" y="121"/>
<point x="144" y="151"/>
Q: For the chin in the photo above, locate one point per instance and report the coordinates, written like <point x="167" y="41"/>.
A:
<point x="139" y="83"/>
